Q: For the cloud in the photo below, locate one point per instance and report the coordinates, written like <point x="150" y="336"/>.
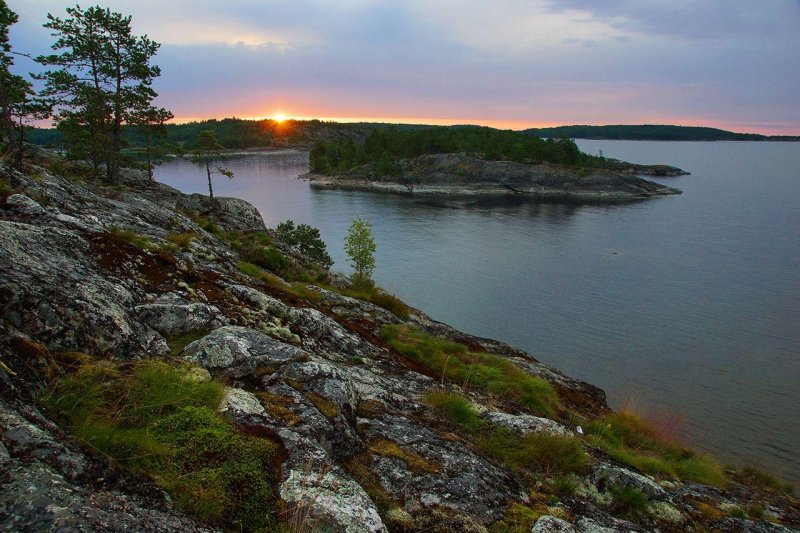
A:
<point x="517" y="60"/>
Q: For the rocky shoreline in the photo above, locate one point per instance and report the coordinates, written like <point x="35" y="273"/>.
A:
<point x="464" y="175"/>
<point x="115" y="275"/>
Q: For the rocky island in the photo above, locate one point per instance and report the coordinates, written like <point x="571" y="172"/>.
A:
<point x="163" y="367"/>
<point x="463" y="174"/>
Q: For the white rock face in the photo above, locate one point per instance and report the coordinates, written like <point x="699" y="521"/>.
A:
<point x="336" y="502"/>
<point x="527" y="424"/>
<point x="240" y="402"/>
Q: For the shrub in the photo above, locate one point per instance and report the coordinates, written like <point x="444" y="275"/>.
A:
<point x="307" y="241"/>
<point x="490" y="373"/>
<point x="256" y="248"/>
<point x="627" y="438"/>
<point x="155" y="421"/>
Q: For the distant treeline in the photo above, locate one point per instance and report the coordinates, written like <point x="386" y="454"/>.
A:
<point x="232" y="133"/>
<point x="407" y="140"/>
<point x="384" y="148"/>
<point x="652" y="132"/>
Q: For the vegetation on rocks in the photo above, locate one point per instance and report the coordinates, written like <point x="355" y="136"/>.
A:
<point x="489" y="373"/>
<point x="384" y="148"/>
<point x="158" y="420"/>
<point x="538" y="452"/>
<point x="627" y="438"/>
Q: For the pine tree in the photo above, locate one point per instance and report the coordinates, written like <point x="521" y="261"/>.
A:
<point x="208" y="150"/>
<point x="18" y="101"/>
<point x="102" y="75"/>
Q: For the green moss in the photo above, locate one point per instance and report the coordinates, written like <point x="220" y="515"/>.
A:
<point x="487" y="372"/>
<point x="535" y="452"/>
<point x="518" y="519"/>
<point x="256" y="248"/>
<point x="323" y="405"/>
<point x="565" y="485"/>
<point x="737" y="512"/>
<point x="630" y="440"/>
<point x="152" y="419"/>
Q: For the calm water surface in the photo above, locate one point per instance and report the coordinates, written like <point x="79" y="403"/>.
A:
<point x="688" y="303"/>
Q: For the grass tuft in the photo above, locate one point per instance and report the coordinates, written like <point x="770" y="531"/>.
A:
<point x="132" y="237"/>
<point x="535" y="452"/>
<point x="489" y="373"/>
<point x="626" y="437"/>
<point x="628" y="501"/>
<point x="455" y="408"/>
<point x="182" y="240"/>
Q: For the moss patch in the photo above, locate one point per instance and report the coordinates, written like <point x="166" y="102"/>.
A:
<point x="178" y="343"/>
<point x="323" y="405"/>
<point x="415" y="462"/>
<point x="490" y="373"/>
<point x="277" y="406"/>
<point x="150" y="418"/>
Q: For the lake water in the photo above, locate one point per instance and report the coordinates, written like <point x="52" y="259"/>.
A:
<point x="689" y="303"/>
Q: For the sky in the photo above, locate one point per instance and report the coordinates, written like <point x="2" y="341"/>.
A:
<point x="732" y="64"/>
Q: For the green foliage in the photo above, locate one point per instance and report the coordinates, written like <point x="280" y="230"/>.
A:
<point x="178" y="343"/>
<point x="132" y="237"/>
<point x="256" y="248"/>
<point x="182" y="240"/>
<point x="360" y="248"/>
<point x="537" y="452"/>
<point x="629" y="439"/>
<point x="307" y="241"/>
<point x="565" y="485"/>
<point x="518" y="519"/>
<point x="385" y="147"/>
<point x="102" y="77"/>
<point x="455" y="408"/>
<point x="153" y="419"/>
<point x="628" y="501"/>
<point x="379" y="297"/>
<point x="207" y="151"/>
<point x="487" y="372"/>
<point x="762" y="481"/>
<point x="151" y="122"/>
<point x="18" y="101"/>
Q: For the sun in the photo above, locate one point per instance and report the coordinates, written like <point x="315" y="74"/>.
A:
<point x="280" y="117"/>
